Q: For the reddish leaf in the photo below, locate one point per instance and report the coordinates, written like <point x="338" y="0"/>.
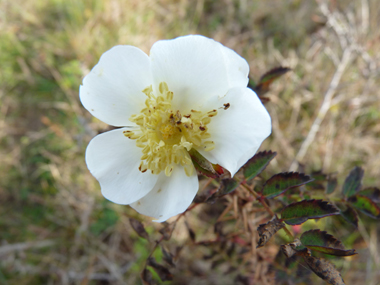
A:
<point x="353" y="181"/>
<point x="297" y="213"/>
<point x="350" y="215"/>
<point x="281" y="182"/>
<point x="264" y="100"/>
<point x="323" y="242"/>
<point x="267" y="79"/>
<point x="365" y="205"/>
<point x="204" y="166"/>
<point x="324" y="269"/>
<point x="139" y="228"/>
<point x="266" y="231"/>
<point x="257" y="164"/>
<point x="162" y="271"/>
<point x="372" y="193"/>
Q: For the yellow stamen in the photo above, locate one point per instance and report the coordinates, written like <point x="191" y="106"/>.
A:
<point x="165" y="135"/>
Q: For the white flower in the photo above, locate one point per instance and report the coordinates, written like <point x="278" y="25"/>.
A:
<point x="191" y="92"/>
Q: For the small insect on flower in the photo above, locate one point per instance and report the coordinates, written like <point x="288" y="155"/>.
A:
<point x="167" y="105"/>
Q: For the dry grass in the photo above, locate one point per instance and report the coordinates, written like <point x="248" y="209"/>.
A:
<point x="55" y="227"/>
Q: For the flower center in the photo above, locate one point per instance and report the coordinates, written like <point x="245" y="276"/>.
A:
<point x="166" y="136"/>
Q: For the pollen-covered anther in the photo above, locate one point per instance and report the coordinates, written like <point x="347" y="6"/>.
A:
<point x="212" y="113"/>
<point x="166" y="136"/>
<point x="208" y="145"/>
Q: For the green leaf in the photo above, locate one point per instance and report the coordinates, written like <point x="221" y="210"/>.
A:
<point x="257" y="164"/>
<point x="350" y="216"/>
<point x="204" y="166"/>
<point x="297" y="213"/>
<point x="373" y="193"/>
<point x="323" y="242"/>
<point x="353" y="181"/>
<point x="318" y="180"/>
<point x="365" y="205"/>
<point x="268" y="78"/>
<point x="226" y="187"/>
<point x="281" y="182"/>
<point x="332" y="182"/>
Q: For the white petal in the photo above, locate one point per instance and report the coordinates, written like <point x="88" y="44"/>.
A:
<point x="171" y="195"/>
<point x="112" y="90"/>
<point x="238" y="131"/>
<point x="237" y="68"/>
<point x="113" y="160"/>
<point x="196" y="69"/>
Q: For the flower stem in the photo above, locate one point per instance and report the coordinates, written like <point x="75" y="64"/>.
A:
<point x="265" y="205"/>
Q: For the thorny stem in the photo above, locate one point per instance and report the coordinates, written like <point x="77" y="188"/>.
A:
<point x="265" y="205"/>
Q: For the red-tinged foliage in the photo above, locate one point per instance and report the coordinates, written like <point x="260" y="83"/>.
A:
<point x="297" y="213"/>
<point x="257" y="164"/>
<point x="323" y="242"/>
<point x="268" y="78"/>
<point x="372" y="193"/>
<point x="281" y="182"/>
<point x="365" y="205"/>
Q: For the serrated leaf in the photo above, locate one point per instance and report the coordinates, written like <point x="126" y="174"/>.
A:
<point x="281" y="182"/>
<point x="372" y="192"/>
<point x="266" y="231"/>
<point x="353" y="181"/>
<point x="297" y="213"/>
<point x="257" y="164"/>
<point x="139" y="228"/>
<point x="324" y="269"/>
<point x="365" y="205"/>
<point x="332" y="182"/>
<point x="350" y="216"/>
<point x="267" y="79"/>
<point x="323" y="242"/>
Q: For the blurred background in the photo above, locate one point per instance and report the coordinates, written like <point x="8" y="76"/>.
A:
<point x="55" y="226"/>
